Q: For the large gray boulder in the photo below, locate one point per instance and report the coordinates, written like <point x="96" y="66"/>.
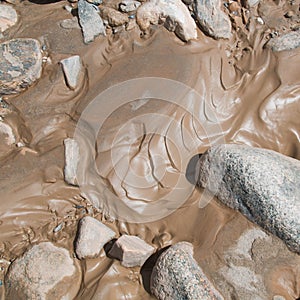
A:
<point x="262" y="184"/>
<point x="212" y="19"/>
<point x="90" y="21"/>
<point x="44" y="272"/>
<point x="20" y="64"/>
<point x="176" y="276"/>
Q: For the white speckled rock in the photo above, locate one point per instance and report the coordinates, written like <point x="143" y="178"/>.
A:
<point x="8" y="17"/>
<point x="20" y="64"/>
<point x="212" y="19"/>
<point x="288" y="41"/>
<point x="90" y="21"/>
<point x="44" y="272"/>
<point x="72" y="156"/>
<point x="176" y="276"/>
<point x="91" y="237"/>
<point x="72" y="68"/>
<point x="173" y="13"/>
<point x="131" y="251"/>
<point x="262" y="184"/>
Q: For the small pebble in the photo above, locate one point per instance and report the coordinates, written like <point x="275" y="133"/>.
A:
<point x="1" y="282"/>
<point x="289" y="14"/>
<point x="260" y="21"/>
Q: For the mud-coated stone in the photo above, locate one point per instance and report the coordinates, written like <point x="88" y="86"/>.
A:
<point x="44" y="272"/>
<point x="262" y="184"/>
<point x="212" y="19"/>
<point x="20" y="64"/>
<point x="176" y="276"/>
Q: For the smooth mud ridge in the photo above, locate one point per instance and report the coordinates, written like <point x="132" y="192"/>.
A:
<point x="146" y="100"/>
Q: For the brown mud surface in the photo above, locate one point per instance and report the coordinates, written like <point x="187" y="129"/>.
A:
<point x="247" y="94"/>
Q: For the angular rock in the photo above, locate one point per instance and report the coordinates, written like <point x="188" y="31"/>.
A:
<point x="72" y="156"/>
<point x="173" y="13"/>
<point x="20" y="64"/>
<point x="72" y="68"/>
<point x="129" y="5"/>
<point x="43" y="272"/>
<point x="131" y="251"/>
<point x="92" y="235"/>
<point x="90" y="21"/>
<point x="176" y="276"/>
<point x="212" y="19"/>
<point x="113" y="17"/>
<point x="262" y="184"/>
<point x="288" y="41"/>
<point x="8" y="17"/>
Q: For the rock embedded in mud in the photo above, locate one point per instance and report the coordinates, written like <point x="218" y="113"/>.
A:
<point x="113" y="17"/>
<point x="176" y="276"/>
<point x="262" y="184"/>
<point x="92" y="235"/>
<point x="72" y="156"/>
<point x="288" y="41"/>
<point x="20" y="64"/>
<point x="129" y="5"/>
<point x="131" y="251"/>
<point x="8" y="17"/>
<point x="72" y="68"/>
<point x="90" y="21"/>
<point x="212" y="19"/>
<point x="173" y="13"/>
<point x="43" y="272"/>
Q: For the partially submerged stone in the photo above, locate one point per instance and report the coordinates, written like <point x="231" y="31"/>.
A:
<point x="43" y="272"/>
<point x="92" y="235"/>
<point x="288" y="41"/>
<point x="20" y="64"/>
<point x="131" y="251"/>
<point x="262" y="184"/>
<point x="212" y="19"/>
<point x="72" y="156"/>
<point x="8" y="17"/>
<point x="173" y="13"/>
<point x="90" y="21"/>
<point x="72" y="68"/>
<point x="176" y="276"/>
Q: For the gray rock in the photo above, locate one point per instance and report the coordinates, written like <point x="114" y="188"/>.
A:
<point x="20" y="64"/>
<point x="212" y="19"/>
<point x="43" y="272"/>
<point x="72" y="68"/>
<point x="131" y="251"/>
<point x="72" y="156"/>
<point x="129" y="5"/>
<point x="252" y="3"/>
<point x="176" y="276"/>
<point x="288" y="41"/>
<point x="262" y="184"/>
<point x="173" y="13"/>
<point x="90" y="21"/>
<point x="91" y="237"/>
<point x="8" y="17"/>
